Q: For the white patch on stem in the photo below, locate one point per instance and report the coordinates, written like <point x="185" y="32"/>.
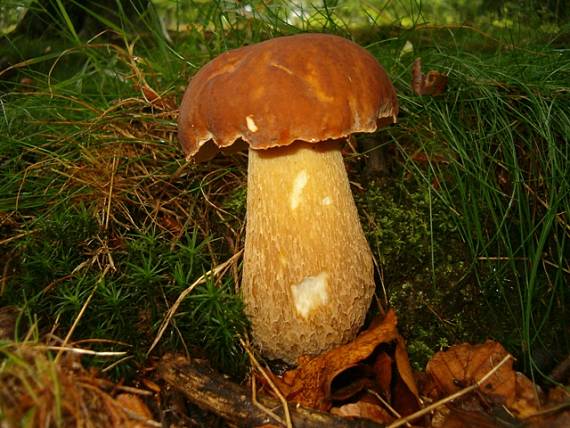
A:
<point x="251" y="124"/>
<point x="327" y="200"/>
<point x="298" y="185"/>
<point x="310" y="293"/>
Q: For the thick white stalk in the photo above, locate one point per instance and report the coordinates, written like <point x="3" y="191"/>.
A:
<point x="308" y="275"/>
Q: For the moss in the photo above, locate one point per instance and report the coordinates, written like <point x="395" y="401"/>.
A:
<point x="424" y="264"/>
<point x="235" y="202"/>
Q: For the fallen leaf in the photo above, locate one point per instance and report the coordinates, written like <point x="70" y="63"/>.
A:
<point x="404" y="367"/>
<point x="363" y="409"/>
<point x="559" y="420"/>
<point x="452" y="417"/>
<point x="558" y="394"/>
<point x="434" y="83"/>
<point x="151" y="385"/>
<point x="162" y="103"/>
<point x="349" y="382"/>
<point x="464" y="365"/>
<point x="404" y="390"/>
<point x="310" y="384"/>
<point x="526" y="400"/>
<point x="136" y="410"/>
<point x="383" y="373"/>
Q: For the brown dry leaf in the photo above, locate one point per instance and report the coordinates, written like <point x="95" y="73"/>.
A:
<point x="558" y="394"/>
<point x="349" y="382"/>
<point x="555" y="413"/>
<point x="158" y="101"/>
<point x="404" y="367"/>
<point x="558" y="420"/>
<point x="527" y="396"/>
<point x="136" y="409"/>
<point x="404" y="392"/>
<point x="463" y="365"/>
<point x="363" y="409"/>
<point x="383" y="374"/>
<point x="434" y="83"/>
<point x="451" y="417"/>
<point x="309" y="383"/>
<point x="152" y="386"/>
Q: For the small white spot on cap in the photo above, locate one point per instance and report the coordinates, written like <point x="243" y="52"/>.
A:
<point x="251" y="123"/>
<point x="298" y="185"/>
<point x="327" y="200"/>
<point x="310" y="293"/>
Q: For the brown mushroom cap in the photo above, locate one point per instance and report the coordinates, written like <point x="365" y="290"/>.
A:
<point x="308" y="87"/>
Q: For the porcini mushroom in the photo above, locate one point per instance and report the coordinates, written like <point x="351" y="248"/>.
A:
<point x="308" y="276"/>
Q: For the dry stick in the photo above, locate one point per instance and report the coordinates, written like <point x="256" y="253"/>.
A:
<point x="452" y="397"/>
<point x="260" y="406"/>
<point x="212" y="272"/>
<point x="213" y="392"/>
<point x="270" y="382"/>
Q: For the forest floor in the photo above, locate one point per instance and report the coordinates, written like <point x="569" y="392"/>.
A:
<point x="120" y="262"/>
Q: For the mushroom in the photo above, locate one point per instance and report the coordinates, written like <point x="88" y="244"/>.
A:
<point x="308" y="276"/>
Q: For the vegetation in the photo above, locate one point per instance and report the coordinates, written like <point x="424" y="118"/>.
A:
<point x="103" y="224"/>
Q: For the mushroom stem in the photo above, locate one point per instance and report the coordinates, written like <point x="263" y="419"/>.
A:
<point x="308" y="275"/>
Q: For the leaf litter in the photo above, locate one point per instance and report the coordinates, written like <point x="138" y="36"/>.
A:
<point x="463" y="386"/>
<point x="371" y="379"/>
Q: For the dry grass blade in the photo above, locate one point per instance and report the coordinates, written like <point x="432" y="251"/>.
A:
<point x="80" y="314"/>
<point x="278" y="393"/>
<point x="212" y="272"/>
<point x="386" y="404"/>
<point x="41" y="392"/>
<point x="260" y="406"/>
<point x="81" y="351"/>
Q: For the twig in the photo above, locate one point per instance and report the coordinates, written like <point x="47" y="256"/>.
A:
<point x="282" y="399"/>
<point x="452" y="397"/>
<point x="385" y="403"/>
<point x="260" y="406"/>
<point x="212" y="272"/>
<point x="214" y="393"/>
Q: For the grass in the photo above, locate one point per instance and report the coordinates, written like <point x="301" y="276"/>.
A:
<point x="503" y="130"/>
<point x="103" y="224"/>
<point x="38" y="390"/>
